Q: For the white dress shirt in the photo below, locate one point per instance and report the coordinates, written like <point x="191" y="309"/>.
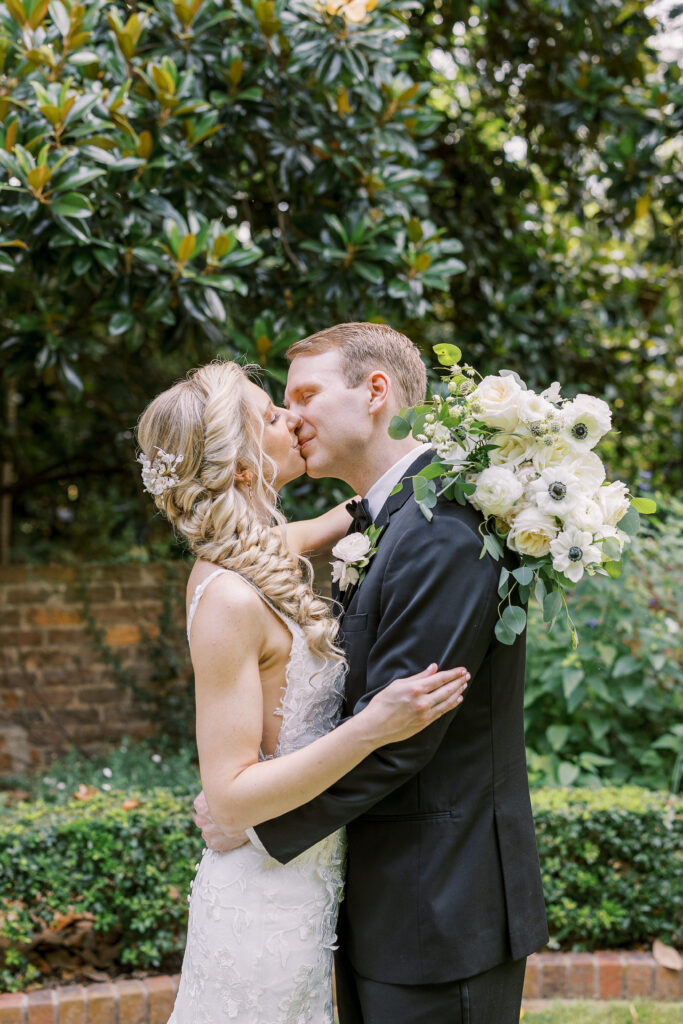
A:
<point x="382" y="488"/>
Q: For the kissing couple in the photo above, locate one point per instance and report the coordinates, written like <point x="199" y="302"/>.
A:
<point x="325" y="741"/>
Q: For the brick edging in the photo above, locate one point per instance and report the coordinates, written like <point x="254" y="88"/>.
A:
<point x="144" y="1001"/>
<point x="604" y="975"/>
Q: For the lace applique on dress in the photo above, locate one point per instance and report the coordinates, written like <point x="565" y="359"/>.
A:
<point x="261" y="934"/>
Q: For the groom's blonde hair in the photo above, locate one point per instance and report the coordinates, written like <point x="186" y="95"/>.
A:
<point x="365" y="347"/>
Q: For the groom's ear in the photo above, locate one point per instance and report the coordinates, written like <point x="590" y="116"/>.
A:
<point x="379" y="390"/>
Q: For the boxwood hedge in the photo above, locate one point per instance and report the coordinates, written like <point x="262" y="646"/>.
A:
<point x="611" y="861"/>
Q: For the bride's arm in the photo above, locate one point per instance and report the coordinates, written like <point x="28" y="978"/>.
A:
<point x="228" y="636"/>
<point x="308" y="535"/>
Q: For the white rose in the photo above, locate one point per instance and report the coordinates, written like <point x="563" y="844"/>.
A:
<point x="589" y="469"/>
<point x="557" y="490"/>
<point x="510" y="450"/>
<point x="545" y="455"/>
<point x="352" y="548"/>
<point x="586" y="515"/>
<point x="531" y="533"/>
<point x="533" y="408"/>
<point x="497" y="491"/>
<point x="345" y="575"/>
<point x="585" y="421"/>
<point x="613" y="501"/>
<point x="498" y="398"/>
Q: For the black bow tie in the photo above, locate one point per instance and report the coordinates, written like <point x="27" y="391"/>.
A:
<point x="362" y="517"/>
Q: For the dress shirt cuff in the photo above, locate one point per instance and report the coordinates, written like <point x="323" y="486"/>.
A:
<point x="255" y="841"/>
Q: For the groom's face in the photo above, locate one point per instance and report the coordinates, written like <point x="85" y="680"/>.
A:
<point x="334" y="418"/>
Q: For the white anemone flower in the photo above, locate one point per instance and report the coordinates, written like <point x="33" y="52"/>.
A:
<point x="572" y="551"/>
<point x="557" y="490"/>
<point x="586" y="420"/>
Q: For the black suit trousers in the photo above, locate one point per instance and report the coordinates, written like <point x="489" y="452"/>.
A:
<point x="493" y="997"/>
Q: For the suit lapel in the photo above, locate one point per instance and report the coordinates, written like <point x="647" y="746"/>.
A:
<point x="393" y="503"/>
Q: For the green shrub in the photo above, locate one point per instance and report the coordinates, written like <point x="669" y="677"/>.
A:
<point x="610" y="712"/>
<point x="130" y="866"/>
<point x="612" y="866"/>
<point x="611" y="871"/>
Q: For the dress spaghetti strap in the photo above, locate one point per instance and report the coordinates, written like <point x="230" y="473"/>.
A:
<point x="201" y="587"/>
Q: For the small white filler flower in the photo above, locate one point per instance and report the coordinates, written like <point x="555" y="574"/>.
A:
<point x="159" y="473"/>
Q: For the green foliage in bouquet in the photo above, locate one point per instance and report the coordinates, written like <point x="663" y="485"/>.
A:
<point x="609" y="861"/>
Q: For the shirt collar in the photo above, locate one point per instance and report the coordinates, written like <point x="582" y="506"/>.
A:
<point x="382" y="488"/>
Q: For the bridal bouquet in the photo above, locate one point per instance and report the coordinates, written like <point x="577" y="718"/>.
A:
<point x="526" y="461"/>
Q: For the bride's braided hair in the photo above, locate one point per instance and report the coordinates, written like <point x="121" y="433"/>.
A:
<point x="209" y="420"/>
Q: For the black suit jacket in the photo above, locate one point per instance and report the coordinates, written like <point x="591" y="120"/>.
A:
<point x="443" y="879"/>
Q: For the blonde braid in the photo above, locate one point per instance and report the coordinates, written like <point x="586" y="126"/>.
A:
<point x="208" y="419"/>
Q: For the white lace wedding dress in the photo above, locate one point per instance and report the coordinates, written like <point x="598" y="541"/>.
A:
<point x="261" y="934"/>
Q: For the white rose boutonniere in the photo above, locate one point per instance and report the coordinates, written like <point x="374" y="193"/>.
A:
<point x="353" y="554"/>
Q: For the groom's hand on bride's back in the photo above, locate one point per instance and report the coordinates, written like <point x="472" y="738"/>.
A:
<point x="216" y="837"/>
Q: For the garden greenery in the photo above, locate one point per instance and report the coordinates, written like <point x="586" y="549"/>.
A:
<point x="180" y="181"/>
<point x="611" y="871"/>
<point x="611" y="711"/>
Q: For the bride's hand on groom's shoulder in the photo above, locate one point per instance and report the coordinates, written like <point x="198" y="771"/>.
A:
<point x="216" y="837"/>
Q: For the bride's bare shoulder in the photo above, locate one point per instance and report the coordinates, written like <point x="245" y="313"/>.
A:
<point x="227" y="592"/>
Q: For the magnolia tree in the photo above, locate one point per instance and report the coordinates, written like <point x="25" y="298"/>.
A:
<point x="180" y="180"/>
<point x="186" y="179"/>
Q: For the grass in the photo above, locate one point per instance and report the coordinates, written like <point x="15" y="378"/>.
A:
<point x="570" y="1011"/>
<point x="563" y="1011"/>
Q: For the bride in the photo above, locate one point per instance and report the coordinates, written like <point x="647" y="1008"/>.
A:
<point x="269" y="685"/>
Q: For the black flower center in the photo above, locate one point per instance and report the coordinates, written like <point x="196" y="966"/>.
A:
<point x="575" y="554"/>
<point x="580" y="431"/>
<point x="557" y="490"/>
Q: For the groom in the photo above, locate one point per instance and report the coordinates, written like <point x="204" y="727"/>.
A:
<point x="443" y="895"/>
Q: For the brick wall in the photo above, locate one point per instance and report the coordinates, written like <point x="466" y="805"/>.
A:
<point x="58" y="688"/>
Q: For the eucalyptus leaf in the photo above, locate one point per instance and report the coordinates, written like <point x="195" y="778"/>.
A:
<point x="630" y="522"/>
<point x="514" y="618"/>
<point x="552" y="605"/>
<point x="399" y="428"/>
